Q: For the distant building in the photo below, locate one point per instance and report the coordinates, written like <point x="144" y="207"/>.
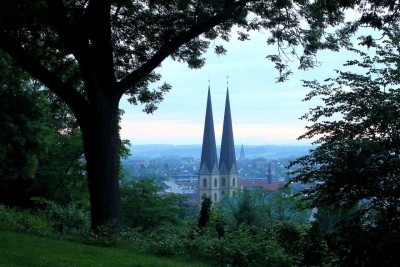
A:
<point x="242" y="155"/>
<point x="252" y="184"/>
<point x="216" y="180"/>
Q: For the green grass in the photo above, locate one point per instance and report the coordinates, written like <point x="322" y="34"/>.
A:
<point x="17" y="249"/>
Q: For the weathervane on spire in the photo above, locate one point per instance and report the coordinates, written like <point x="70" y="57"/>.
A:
<point x="227" y="81"/>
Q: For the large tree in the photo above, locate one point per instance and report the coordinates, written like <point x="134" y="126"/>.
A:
<point x="91" y="52"/>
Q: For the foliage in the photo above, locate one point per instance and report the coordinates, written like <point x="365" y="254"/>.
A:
<point x="50" y="219"/>
<point x="41" y="146"/>
<point x="18" y="249"/>
<point x="315" y="248"/>
<point x="144" y="207"/>
<point x="245" y="246"/>
<point x="61" y="174"/>
<point x="205" y="212"/>
<point x="23" y="133"/>
<point x="139" y="36"/>
<point x="245" y="210"/>
<point x="23" y="221"/>
<point x="64" y="219"/>
<point x="167" y="240"/>
<point x="261" y="207"/>
<point x="281" y="245"/>
<point x="355" y="169"/>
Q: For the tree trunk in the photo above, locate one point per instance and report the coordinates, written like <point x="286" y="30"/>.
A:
<point x="101" y="141"/>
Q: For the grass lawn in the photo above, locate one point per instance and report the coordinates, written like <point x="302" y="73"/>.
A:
<point x="18" y="249"/>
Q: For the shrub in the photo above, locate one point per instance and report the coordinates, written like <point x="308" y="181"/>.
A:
<point x="167" y="240"/>
<point x="25" y="221"/>
<point x="66" y="218"/>
<point x="164" y="240"/>
<point x="245" y="246"/>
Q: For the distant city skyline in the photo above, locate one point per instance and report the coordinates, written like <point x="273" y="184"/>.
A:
<point x="263" y="112"/>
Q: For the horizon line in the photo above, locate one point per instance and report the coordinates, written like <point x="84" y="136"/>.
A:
<point x="244" y="145"/>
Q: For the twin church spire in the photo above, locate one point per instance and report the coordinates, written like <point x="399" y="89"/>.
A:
<point x="216" y="180"/>
<point x="209" y="161"/>
<point x="227" y="159"/>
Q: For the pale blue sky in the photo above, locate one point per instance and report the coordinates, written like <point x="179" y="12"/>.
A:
<point x="263" y="112"/>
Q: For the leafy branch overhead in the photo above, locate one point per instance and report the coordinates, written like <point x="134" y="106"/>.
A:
<point x="127" y="40"/>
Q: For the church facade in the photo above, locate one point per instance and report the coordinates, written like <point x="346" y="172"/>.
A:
<point x="218" y="178"/>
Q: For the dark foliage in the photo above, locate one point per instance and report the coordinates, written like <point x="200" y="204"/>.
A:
<point x="40" y="146"/>
<point x="205" y="212"/>
<point x="355" y="169"/>
<point x="143" y="207"/>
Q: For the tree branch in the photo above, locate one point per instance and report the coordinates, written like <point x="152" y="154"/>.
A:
<point x="168" y="48"/>
<point x="63" y="28"/>
<point x="33" y="66"/>
<point x="99" y="26"/>
<point x="76" y="40"/>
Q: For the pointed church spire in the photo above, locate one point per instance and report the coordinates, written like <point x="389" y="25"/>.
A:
<point x="242" y="155"/>
<point x="227" y="159"/>
<point x="209" y="162"/>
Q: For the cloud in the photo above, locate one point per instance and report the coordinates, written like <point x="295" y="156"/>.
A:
<point x="183" y="132"/>
<point x="263" y="112"/>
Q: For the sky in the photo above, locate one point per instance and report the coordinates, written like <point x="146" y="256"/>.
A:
<point x="263" y="112"/>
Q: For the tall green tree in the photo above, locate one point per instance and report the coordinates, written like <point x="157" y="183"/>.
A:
<point x="23" y="133"/>
<point x="144" y="207"/>
<point x="91" y="52"/>
<point x="261" y="207"/>
<point x="356" y="167"/>
<point x="41" y="146"/>
<point x="205" y="212"/>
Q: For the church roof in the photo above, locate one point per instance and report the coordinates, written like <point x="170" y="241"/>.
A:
<point x="209" y="151"/>
<point x="227" y="159"/>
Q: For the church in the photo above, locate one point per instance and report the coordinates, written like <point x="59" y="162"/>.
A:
<point x="218" y="178"/>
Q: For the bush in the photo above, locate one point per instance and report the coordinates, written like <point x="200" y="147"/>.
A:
<point x="164" y="240"/>
<point x="66" y="218"/>
<point x="168" y="241"/>
<point x="24" y="221"/>
<point x="245" y="246"/>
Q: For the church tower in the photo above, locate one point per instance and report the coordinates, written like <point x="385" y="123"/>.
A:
<point x="209" y="173"/>
<point x="227" y="160"/>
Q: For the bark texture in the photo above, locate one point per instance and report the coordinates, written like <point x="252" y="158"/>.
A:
<point x="101" y="143"/>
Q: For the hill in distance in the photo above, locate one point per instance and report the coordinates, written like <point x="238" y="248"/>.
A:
<point x="194" y="151"/>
